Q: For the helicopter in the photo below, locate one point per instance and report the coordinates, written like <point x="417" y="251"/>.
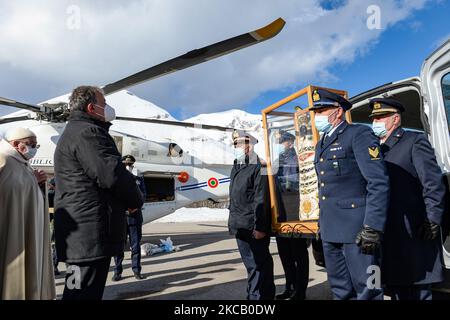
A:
<point x="175" y="171"/>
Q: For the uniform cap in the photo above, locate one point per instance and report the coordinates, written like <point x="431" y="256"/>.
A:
<point x="326" y="99"/>
<point x="242" y="136"/>
<point x="383" y="106"/>
<point x="128" y="159"/>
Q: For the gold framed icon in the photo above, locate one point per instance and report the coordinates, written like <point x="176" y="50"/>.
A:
<point x="293" y="183"/>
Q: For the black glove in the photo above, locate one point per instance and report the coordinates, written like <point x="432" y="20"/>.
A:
<point x="369" y="240"/>
<point x="428" y="230"/>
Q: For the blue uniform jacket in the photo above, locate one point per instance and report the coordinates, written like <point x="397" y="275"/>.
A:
<point x="288" y="170"/>
<point x="353" y="183"/>
<point x="417" y="192"/>
<point x="136" y="218"/>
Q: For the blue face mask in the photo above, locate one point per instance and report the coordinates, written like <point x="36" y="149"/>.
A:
<point x="239" y="153"/>
<point x="379" y="128"/>
<point x="322" y="123"/>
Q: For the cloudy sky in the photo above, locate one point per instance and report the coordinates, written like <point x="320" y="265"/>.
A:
<point x="45" y="52"/>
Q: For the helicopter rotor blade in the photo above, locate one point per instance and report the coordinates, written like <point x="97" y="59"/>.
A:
<point x="13" y="119"/>
<point x="20" y="105"/>
<point x="198" y="56"/>
<point x="177" y="123"/>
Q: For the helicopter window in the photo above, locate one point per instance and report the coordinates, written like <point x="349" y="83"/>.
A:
<point x="159" y="189"/>
<point x="175" y="150"/>
<point x="446" y="96"/>
<point x="135" y="153"/>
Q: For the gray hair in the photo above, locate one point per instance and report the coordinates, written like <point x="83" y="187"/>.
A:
<point x="83" y="95"/>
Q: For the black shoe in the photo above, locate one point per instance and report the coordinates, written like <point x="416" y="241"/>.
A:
<point x="297" y="296"/>
<point x="139" y="276"/>
<point x="285" y="295"/>
<point x="116" y="277"/>
<point x="56" y="271"/>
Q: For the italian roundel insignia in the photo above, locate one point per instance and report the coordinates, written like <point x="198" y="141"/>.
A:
<point x="374" y="153"/>
<point x="213" y="183"/>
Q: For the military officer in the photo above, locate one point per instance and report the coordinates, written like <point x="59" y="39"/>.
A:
<point x="293" y="252"/>
<point x="353" y="199"/>
<point x="412" y="251"/>
<point x="134" y="229"/>
<point x="288" y="164"/>
<point x="249" y="218"/>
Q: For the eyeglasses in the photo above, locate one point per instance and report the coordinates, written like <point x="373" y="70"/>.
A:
<point x="34" y="145"/>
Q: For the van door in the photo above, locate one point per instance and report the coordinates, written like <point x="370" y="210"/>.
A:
<point x="435" y="86"/>
<point x="435" y="80"/>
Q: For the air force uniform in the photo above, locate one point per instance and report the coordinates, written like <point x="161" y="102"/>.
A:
<point x="293" y="251"/>
<point x="353" y="199"/>
<point x="411" y="261"/>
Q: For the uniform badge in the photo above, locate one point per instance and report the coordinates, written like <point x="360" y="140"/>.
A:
<point x="316" y="96"/>
<point x="374" y="153"/>
<point x="376" y="106"/>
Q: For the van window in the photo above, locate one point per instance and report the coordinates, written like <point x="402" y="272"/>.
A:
<point x="446" y="95"/>
<point x="411" y="119"/>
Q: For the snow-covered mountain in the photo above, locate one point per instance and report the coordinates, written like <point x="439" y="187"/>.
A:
<point x="237" y="119"/>
<point x="233" y="118"/>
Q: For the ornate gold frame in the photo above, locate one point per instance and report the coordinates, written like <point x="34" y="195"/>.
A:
<point x="292" y="228"/>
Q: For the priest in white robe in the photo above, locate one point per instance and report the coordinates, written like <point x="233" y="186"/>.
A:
<point x="26" y="269"/>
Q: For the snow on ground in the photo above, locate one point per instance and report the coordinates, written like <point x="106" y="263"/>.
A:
<point x="195" y="215"/>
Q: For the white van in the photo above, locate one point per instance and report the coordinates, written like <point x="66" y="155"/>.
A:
<point x="427" y="100"/>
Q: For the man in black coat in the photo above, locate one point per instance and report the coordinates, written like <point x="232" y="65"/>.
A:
<point x="412" y="250"/>
<point x="94" y="191"/>
<point x="249" y="218"/>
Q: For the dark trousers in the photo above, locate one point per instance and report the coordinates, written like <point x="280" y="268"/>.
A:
<point x="87" y="280"/>
<point x="412" y="292"/>
<point x="349" y="270"/>
<point x="258" y="261"/>
<point x="134" y="230"/>
<point x="294" y="257"/>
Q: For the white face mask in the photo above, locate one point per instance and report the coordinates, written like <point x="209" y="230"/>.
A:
<point x="29" y="153"/>
<point x="239" y="153"/>
<point x="109" y="113"/>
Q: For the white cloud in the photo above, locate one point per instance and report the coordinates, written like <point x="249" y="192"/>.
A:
<point x="40" y="57"/>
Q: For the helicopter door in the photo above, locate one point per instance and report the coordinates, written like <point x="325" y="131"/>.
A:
<point x="159" y="188"/>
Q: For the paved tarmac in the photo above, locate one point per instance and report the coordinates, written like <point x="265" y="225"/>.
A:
<point x="208" y="266"/>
